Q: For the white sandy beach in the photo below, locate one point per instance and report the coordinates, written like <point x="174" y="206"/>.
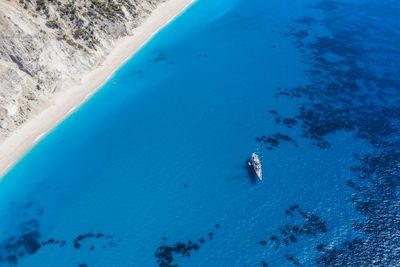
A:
<point x="69" y="99"/>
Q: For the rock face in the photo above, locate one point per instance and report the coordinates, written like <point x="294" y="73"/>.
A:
<point x="45" y="43"/>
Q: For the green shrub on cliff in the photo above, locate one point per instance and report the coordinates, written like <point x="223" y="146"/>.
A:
<point x="40" y="5"/>
<point x="53" y="24"/>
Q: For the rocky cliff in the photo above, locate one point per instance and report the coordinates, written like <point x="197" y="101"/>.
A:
<point x="46" y="43"/>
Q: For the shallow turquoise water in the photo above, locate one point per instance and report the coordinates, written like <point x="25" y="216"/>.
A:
<point x="162" y="154"/>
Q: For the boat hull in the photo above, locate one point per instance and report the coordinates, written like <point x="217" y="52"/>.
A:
<point x="259" y="174"/>
<point x="255" y="162"/>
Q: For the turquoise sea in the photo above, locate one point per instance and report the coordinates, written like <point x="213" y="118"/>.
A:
<point x="152" y="171"/>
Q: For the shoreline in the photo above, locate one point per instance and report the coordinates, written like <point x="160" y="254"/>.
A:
<point x="67" y="101"/>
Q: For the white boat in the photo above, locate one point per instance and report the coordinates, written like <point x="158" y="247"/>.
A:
<point x="256" y="164"/>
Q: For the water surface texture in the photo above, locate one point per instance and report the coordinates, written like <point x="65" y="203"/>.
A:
<point x="152" y="171"/>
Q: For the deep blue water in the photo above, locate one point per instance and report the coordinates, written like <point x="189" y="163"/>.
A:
<point x="159" y="159"/>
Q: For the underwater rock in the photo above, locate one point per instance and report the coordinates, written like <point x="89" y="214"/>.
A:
<point x="31" y="242"/>
<point x="76" y="244"/>
<point x="263" y="243"/>
<point x="160" y="58"/>
<point x="12" y="259"/>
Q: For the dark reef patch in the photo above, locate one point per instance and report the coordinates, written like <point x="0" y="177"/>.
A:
<point x="378" y="200"/>
<point x="273" y="140"/>
<point x="30" y="241"/>
<point x="307" y="224"/>
<point x="27" y="239"/>
<point x="160" y="57"/>
<point x="80" y="238"/>
<point x="354" y="75"/>
<point x="165" y="253"/>
<point x="289" y="122"/>
<point x="343" y="95"/>
<point x="293" y="260"/>
<point x="52" y="241"/>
